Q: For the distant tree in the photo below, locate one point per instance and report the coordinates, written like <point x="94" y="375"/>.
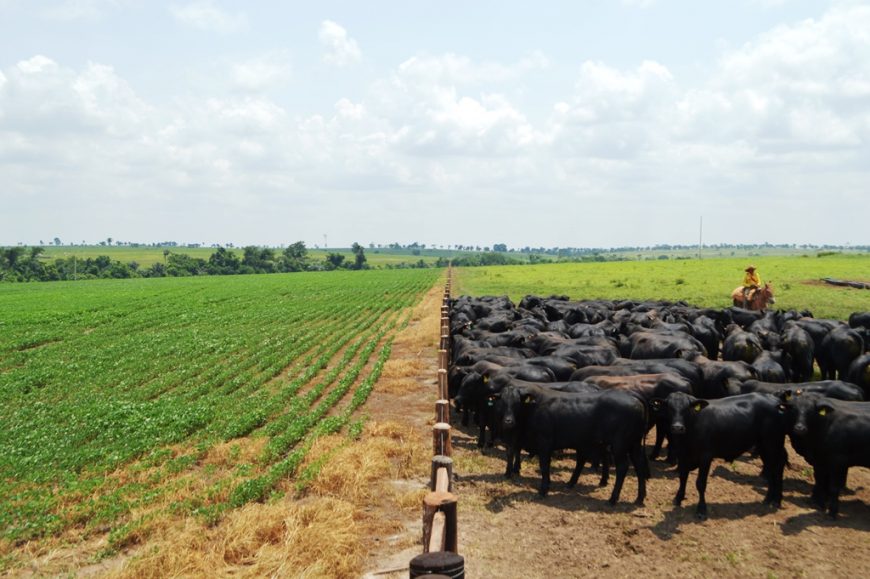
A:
<point x="499" y="247"/>
<point x="57" y="241"/>
<point x="223" y="262"/>
<point x="359" y="256"/>
<point x="295" y="257"/>
<point x="334" y="260"/>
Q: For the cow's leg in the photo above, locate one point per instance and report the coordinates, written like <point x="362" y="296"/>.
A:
<point x="837" y="480"/>
<point x="578" y="468"/>
<point x="701" y="485"/>
<point x="544" y="461"/>
<point x="641" y="469"/>
<point x="621" y="461"/>
<point x="660" y="438"/>
<point x="684" y="477"/>
<point x="820" y="486"/>
<point x="774" y="466"/>
<point x="605" y="468"/>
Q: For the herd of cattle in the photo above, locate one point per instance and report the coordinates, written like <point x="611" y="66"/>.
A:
<point x="596" y="376"/>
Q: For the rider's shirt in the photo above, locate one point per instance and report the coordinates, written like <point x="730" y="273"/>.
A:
<point x="751" y="278"/>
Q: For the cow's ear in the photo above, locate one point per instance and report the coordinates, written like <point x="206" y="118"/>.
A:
<point x="656" y="403"/>
<point x="824" y="409"/>
<point x="699" y="405"/>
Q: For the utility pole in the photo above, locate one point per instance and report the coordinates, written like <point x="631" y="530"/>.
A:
<point x="700" y="236"/>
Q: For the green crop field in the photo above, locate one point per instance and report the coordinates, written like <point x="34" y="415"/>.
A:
<point x="706" y="283"/>
<point x="147" y="256"/>
<point x="113" y="389"/>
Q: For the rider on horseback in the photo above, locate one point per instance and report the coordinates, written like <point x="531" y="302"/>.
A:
<point x="751" y="282"/>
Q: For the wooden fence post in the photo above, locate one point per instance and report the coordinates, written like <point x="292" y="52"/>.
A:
<point x="441" y="463"/>
<point x="441" y="439"/>
<point x="443" y="390"/>
<point x="440" y="502"/>
<point x="442" y="411"/>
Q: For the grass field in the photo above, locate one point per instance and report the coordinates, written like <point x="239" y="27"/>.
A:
<point x="128" y="400"/>
<point x="707" y="282"/>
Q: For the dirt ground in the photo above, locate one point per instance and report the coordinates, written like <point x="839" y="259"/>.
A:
<point x="506" y="530"/>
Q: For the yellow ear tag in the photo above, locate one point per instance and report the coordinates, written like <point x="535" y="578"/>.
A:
<point x="788" y="396"/>
<point x="698" y="407"/>
<point x="527" y="400"/>
<point x="822" y="411"/>
<point x="485" y="379"/>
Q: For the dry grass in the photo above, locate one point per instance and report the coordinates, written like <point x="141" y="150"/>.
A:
<point x="319" y="536"/>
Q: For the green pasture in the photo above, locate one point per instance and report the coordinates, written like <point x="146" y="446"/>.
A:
<point x="102" y="375"/>
<point x="706" y="283"/>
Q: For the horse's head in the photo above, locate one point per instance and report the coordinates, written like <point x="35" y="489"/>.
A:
<point x="767" y="293"/>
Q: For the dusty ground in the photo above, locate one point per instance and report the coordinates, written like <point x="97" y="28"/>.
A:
<point x="507" y="531"/>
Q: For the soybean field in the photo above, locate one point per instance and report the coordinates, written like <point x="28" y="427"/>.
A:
<point x="127" y="400"/>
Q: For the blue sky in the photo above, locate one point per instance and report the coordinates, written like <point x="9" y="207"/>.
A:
<point x="555" y="123"/>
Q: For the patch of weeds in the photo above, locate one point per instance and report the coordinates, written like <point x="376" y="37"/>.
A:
<point x="733" y="557"/>
<point x="235" y="451"/>
<point x="680" y="281"/>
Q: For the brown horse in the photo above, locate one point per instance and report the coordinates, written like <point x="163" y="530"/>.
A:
<point x="758" y="298"/>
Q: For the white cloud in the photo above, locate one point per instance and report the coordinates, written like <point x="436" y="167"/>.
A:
<point x="339" y="48"/>
<point x="457" y="69"/>
<point x="206" y="15"/>
<point x="80" y="9"/>
<point x="261" y="73"/>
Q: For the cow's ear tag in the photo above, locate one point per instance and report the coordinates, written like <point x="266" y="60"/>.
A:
<point x="823" y="411"/>
<point x="698" y="407"/>
<point x="527" y="400"/>
<point x="485" y="379"/>
<point x="788" y="396"/>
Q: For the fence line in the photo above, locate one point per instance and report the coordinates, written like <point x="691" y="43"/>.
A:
<point x="440" y="526"/>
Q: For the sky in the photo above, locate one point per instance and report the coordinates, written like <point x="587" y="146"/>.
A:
<point x="558" y="124"/>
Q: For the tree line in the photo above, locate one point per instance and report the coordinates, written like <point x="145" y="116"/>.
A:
<point x="30" y="264"/>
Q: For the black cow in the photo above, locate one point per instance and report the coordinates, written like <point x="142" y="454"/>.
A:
<point x="718" y="376"/>
<point x="741" y="345"/>
<point x="831" y="435"/>
<point x="648" y="387"/>
<point x="797" y="348"/>
<point x="646" y="345"/>
<point x="859" y="374"/>
<point x="769" y="368"/>
<point x="830" y="388"/>
<point x="727" y="428"/>
<point x="859" y="319"/>
<point x="837" y="350"/>
<point x="591" y="424"/>
<point x="513" y="430"/>
<point x="479" y="389"/>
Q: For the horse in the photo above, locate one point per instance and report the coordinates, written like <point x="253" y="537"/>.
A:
<point x="758" y="298"/>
